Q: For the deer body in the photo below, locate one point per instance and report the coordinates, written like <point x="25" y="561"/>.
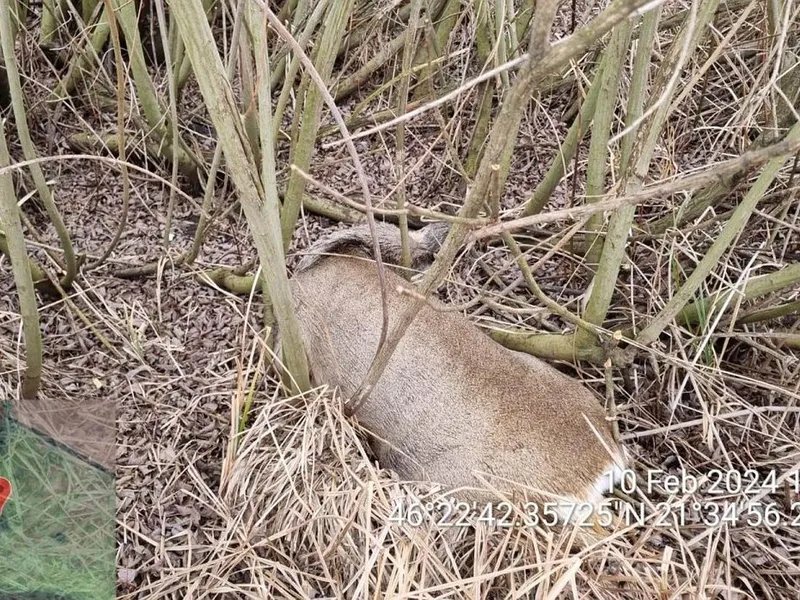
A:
<point x="453" y="406"/>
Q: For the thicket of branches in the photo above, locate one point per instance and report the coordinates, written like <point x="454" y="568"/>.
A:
<point x="668" y="197"/>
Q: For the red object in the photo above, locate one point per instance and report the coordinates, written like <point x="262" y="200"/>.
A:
<point x="5" y="492"/>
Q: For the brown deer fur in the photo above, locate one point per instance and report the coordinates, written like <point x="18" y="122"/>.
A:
<point x="453" y="406"/>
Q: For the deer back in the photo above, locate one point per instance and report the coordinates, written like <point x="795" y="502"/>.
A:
<point x="453" y="406"/>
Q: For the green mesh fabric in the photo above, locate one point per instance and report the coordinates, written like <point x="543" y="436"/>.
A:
<point x="57" y="527"/>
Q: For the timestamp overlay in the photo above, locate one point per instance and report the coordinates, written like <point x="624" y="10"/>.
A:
<point x="733" y="498"/>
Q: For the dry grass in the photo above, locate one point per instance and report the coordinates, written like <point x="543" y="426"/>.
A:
<point x="301" y="512"/>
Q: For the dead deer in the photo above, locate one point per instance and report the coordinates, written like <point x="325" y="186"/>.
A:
<point x="453" y="406"/>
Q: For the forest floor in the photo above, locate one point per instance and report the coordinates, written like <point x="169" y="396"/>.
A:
<point x="152" y="372"/>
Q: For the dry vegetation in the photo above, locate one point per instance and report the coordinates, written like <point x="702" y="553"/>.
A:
<point x="228" y="487"/>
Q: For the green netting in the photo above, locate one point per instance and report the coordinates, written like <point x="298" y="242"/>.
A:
<point x="57" y="528"/>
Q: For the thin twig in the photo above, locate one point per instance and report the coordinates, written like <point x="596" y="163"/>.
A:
<point x="710" y="174"/>
<point x="351" y="148"/>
